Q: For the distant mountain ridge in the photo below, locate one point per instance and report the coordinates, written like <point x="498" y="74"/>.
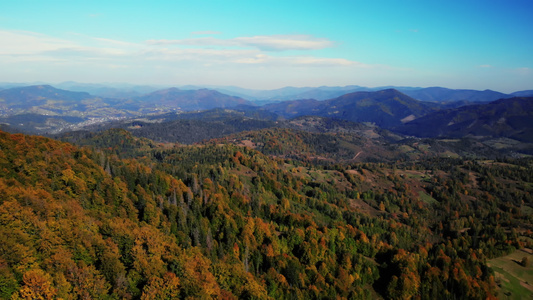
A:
<point x="386" y="108"/>
<point x="119" y="91"/>
<point x="440" y="94"/>
<point x="38" y="94"/>
<point x="526" y="93"/>
<point x="431" y="94"/>
<point x="510" y="118"/>
<point x="46" y="100"/>
<point x="187" y="100"/>
<point x="435" y="94"/>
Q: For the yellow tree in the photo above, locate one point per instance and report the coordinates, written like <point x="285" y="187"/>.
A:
<point x="37" y="285"/>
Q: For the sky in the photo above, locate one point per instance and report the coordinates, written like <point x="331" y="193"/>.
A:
<point x="465" y="44"/>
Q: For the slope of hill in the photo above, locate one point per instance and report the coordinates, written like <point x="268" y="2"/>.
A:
<point x="510" y="118"/>
<point x="43" y="108"/>
<point x="42" y="99"/>
<point x="527" y="93"/>
<point x="370" y="144"/>
<point x="386" y="108"/>
<point x="39" y="123"/>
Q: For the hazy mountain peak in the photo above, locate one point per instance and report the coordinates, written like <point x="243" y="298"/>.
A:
<point x="201" y="99"/>
<point x="39" y="92"/>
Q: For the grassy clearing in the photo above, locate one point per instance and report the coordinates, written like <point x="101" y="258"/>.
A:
<point x="419" y="175"/>
<point x="423" y="147"/>
<point x="426" y="197"/>
<point x="406" y="149"/>
<point x="515" y="280"/>
<point x="449" y="154"/>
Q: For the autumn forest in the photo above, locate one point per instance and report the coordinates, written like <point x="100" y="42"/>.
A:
<point x="126" y="218"/>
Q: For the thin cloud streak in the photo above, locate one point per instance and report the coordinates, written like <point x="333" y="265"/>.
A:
<point x="247" y="57"/>
<point x="265" y="43"/>
<point x="206" y="32"/>
<point x="262" y="59"/>
<point x="285" y="42"/>
<point x="24" y="42"/>
<point x="524" y="71"/>
<point x="206" y="41"/>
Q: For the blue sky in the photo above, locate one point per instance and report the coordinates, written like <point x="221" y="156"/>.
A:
<point x="270" y="44"/>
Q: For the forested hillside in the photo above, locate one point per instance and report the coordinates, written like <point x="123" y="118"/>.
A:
<point x="129" y="218"/>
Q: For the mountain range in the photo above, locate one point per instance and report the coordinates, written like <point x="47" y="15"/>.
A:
<point x="129" y="91"/>
<point x="189" y="116"/>
<point x="43" y="108"/>
<point x="433" y="94"/>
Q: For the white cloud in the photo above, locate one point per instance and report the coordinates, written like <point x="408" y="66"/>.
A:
<point x="23" y="46"/>
<point x="297" y="61"/>
<point x="32" y="56"/>
<point x="115" y="42"/>
<point x="244" y="50"/>
<point x="195" y="55"/>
